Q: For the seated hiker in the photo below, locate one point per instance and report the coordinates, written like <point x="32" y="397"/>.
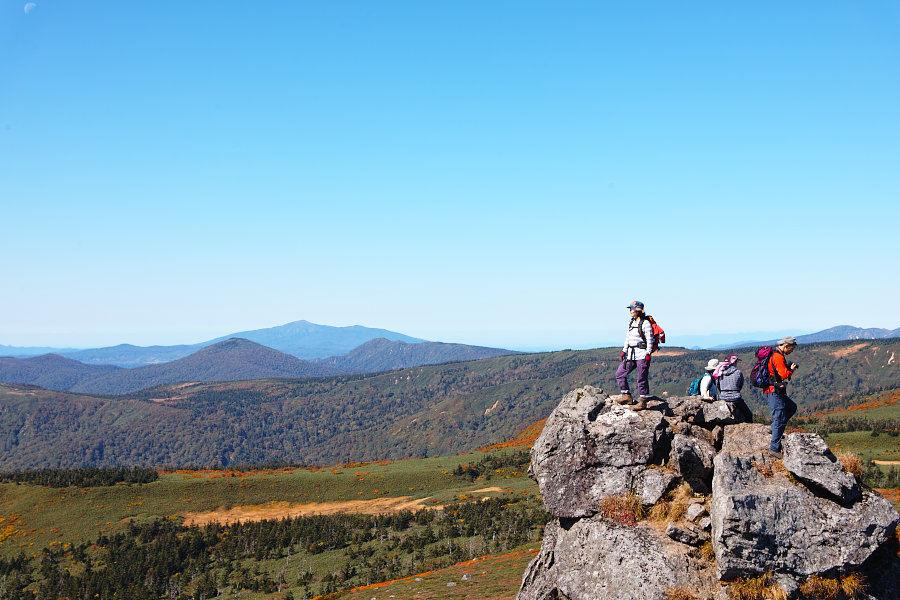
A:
<point x="708" y="389"/>
<point x="730" y="380"/>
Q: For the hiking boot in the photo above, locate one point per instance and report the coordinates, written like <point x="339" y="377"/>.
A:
<point x="641" y="404"/>
<point x="625" y="398"/>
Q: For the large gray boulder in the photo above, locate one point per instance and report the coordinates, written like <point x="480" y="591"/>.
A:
<point x="718" y="413"/>
<point x="692" y="459"/>
<point x="594" y="558"/>
<point x="807" y="456"/>
<point x="763" y="521"/>
<point x="684" y="408"/>
<point x="592" y="448"/>
<point x="691" y="409"/>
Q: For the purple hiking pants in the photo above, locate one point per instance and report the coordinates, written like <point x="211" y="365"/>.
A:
<point x="643" y="378"/>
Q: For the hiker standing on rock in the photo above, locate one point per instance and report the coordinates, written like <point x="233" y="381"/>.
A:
<point x="636" y="355"/>
<point x="783" y="408"/>
<point x="730" y="381"/>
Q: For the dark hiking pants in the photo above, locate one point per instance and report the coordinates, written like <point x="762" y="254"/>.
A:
<point x="643" y="376"/>
<point x="783" y="408"/>
<point x="741" y="410"/>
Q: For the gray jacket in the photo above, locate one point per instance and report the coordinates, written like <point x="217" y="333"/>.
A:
<point x="730" y="383"/>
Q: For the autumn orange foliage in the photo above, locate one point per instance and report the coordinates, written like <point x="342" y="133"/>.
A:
<point x="523" y="440"/>
<point x="375" y="586"/>
<point x="892" y="495"/>
<point x="10" y="527"/>
<point x="214" y="473"/>
<point x="886" y="399"/>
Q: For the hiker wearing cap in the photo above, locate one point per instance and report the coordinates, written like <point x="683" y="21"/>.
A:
<point x="636" y="355"/>
<point x="783" y="408"/>
<point x="730" y="380"/>
<point x="708" y="389"/>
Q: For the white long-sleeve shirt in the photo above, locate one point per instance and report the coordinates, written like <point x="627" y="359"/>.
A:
<point x="635" y="348"/>
<point x="708" y="389"/>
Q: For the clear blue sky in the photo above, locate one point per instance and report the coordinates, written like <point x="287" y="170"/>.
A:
<point x="499" y="173"/>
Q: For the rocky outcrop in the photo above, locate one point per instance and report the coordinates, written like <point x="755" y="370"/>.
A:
<point x="795" y="517"/>
<point x="591" y="448"/>
<point x="766" y="517"/>
<point x="810" y="460"/>
<point x="597" y="558"/>
<point x="692" y="459"/>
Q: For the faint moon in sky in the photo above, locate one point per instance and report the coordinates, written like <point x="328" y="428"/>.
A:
<point x="29" y="6"/>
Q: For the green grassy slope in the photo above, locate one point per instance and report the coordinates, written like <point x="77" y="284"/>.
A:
<point x="49" y="514"/>
<point x="870" y="429"/>
<point x="72" y="525"/>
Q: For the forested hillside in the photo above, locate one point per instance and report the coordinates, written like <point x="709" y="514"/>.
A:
<point x="429" y="410"/>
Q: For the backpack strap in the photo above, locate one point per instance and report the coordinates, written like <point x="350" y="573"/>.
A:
<point x="641" y="331"/>
<point x="777" y="380"/>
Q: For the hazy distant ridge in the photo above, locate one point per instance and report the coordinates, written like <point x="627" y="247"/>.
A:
<point x="301" y="339"/>
<point x="384" y="355"/>
<point x="308" y="340"/>
<point x="839" y="333"/>
<point x="127" y="355"/>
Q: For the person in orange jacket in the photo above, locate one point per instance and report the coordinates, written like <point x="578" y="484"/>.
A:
<point x="783" y="408"/>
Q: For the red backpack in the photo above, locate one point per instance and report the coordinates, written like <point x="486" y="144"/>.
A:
<point x="659" y="336"/>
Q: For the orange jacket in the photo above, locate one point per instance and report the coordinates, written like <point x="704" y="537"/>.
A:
<point x="778" y="371"/>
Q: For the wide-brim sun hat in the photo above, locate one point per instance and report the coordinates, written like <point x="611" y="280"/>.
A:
<point x="712" y="364"/>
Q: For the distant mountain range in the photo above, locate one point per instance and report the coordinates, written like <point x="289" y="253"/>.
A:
<point x="234" y="359"/>
<point x="274" y="353"/>
<point x="833" y="334"/>
<point x="309" y="341"/>
<point x="301" y="339"/>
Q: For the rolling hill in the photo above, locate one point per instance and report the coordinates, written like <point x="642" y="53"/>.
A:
<point x="50" y="371"/>
<point x="384" y="355"/>
<point x="426" y="410"/>
<point x="231" y="360"/>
